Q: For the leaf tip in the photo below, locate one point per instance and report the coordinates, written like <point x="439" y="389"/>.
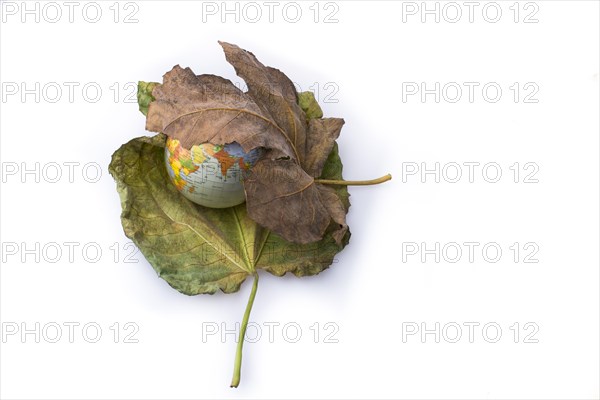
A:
<point x="225" y="45"/>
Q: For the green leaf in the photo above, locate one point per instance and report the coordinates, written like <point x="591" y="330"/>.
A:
<point x="333" y="170"/>
<point x="309" y="105"/>
<point x="144" y="95"/>
<point x="198" y="249"/>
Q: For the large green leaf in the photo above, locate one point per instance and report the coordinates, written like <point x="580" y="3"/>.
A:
<point x="294" y="218"/>
<point x="198" y="249"/>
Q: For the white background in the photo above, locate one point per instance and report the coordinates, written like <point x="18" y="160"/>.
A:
<point x="370" y="293"/>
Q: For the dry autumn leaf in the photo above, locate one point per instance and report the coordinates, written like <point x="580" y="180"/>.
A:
<point x="281" y="191"/>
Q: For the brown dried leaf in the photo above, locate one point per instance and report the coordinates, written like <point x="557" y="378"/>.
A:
<point x="280" y="190"/>
<point x="336" y="209"/>
<point x="322" y="134"/>
<point x="273" y="91"/>
<point x="208" y="108"/>
<point x="282" y="197"/>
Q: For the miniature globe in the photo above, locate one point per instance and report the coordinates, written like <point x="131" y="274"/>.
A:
<point x="208" y="174"/>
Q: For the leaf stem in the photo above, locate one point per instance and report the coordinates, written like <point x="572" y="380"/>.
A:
<point x="235" y="381"/>
<point x="354" y="183"/>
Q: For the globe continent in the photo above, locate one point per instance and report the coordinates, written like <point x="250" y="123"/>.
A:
<point x="210" y="175"/>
